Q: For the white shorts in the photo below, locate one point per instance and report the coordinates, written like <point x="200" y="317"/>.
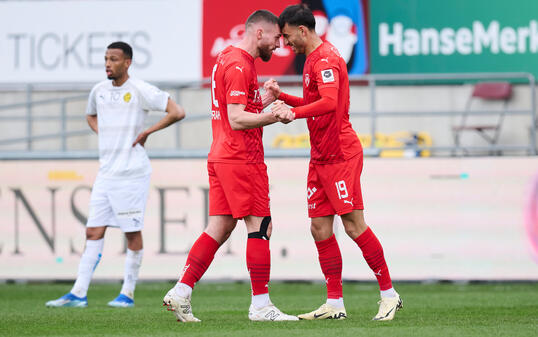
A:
<point x="119" y="203"/>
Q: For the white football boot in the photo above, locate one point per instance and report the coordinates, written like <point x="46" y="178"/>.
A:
<point x="269" y="313"/>
<point x="181" y="306"/>
<point x="388" y="307"/>
<point x="326" y="311"/>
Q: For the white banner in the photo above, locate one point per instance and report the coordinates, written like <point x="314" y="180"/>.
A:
<point x="65" y="41"/>
<point x="455" y="219"/>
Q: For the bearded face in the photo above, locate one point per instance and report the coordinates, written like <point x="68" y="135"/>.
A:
<point x="266" y="52"/>
<point x="269" y="41"/>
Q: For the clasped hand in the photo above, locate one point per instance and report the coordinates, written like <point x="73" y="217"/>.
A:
<point x="282" y="112"/>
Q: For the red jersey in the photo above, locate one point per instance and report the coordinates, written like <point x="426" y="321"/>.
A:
<point x="234" y="80"/>
<point x="332" y="138"/>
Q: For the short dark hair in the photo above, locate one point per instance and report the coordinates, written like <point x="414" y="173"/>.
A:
<point x="127" y="50"/>
<point x="297" y="15"/>
<point x="262" y="15"/>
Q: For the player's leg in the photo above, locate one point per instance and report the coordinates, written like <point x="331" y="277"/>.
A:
<point x="257" y="215"/>
<point x="133" y="261"/>
<point x="218" y="230"/>
<point x="258" y="258"/>
<point x="364" y="237"/>
<point x="372" y="251"/>
<point x="259" y="267"/>
<point x="322" y="213"/>
<point x="77" y="297"/>
<point x="203" y="251"/>
<point x="95" y="239"/>
<point x="370" y="246"/>
<point x="220" y="226"/>
<point x="128" y="198"/>
<point x="330" y="260"/>
<point x="100" y="216"/>
<point x="253" y="206"/>
<point x="201" y="254"/>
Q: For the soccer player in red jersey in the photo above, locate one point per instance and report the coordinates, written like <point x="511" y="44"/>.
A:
<point x="333" y="185"/>
<point x="238" y="183"/>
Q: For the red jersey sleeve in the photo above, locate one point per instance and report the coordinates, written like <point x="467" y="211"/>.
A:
<point x="290" y="99"/>
<point x="325" y="104"/>
<point x="327" y="79"/>
<point x="236" y="84"/>
<point x="327" y="73"/>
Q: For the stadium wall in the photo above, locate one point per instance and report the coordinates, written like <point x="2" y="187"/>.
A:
<point x="196" y="134"/>
<point x="177" y="41"/>
<point x="455" y="219"/>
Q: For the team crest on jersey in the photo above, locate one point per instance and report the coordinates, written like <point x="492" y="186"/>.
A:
<point x="127" y="97"/>
<point x="327" y="75"/>
<point x="306" y="79"/>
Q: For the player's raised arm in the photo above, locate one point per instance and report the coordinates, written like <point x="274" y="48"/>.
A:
<point x="174" y="114"/>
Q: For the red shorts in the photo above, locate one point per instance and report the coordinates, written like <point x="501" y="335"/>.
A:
<point x="238" y="189"/>
<point x="334" y="188"/>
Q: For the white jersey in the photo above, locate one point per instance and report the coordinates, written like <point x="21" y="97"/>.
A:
<point x="120" y="115"/>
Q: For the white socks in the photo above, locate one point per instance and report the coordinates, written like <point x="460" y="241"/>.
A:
<point x="337" y="303"/>
<point x="183" y="290"/>
<point x="133" y="259"/>
<point x="260" y="301"/>
<point x="88" y="262"/>
<point x="388" y="293"/>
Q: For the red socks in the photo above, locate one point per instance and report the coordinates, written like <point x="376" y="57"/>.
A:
<point x="204" y="249"/>
<point x="258" y="265"/>
<point x="373" y="254"/>
<point x="330" y="260"/>
<point x="199" y="259"/>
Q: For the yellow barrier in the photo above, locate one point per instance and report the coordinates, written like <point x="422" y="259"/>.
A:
<point x="286" y="141"/>
<point x="400" y="139"/>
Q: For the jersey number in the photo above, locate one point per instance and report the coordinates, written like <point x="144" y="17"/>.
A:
<point x="341" y="189"/>
<point x="213" y="87"/>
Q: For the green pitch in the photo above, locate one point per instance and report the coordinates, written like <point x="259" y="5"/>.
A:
<point x="429" y="310"/>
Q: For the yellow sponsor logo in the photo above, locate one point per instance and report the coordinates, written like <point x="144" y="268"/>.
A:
<point x="127" y="97"/>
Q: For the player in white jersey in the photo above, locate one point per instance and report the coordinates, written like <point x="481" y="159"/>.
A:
<point x="116" y="111"/>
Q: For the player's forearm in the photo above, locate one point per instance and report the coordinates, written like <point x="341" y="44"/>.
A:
<point x="174" y="114"/>
<point x="320" y="107"/>
<point x="248" y="120"/>
<point x="291" y="100"/>
<point x="267" y="99"/>
<point x="326" y="104"/>
<point x="174" y="111"/>
<point x="240" y="119"/>
<point x="92" y="122"/>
